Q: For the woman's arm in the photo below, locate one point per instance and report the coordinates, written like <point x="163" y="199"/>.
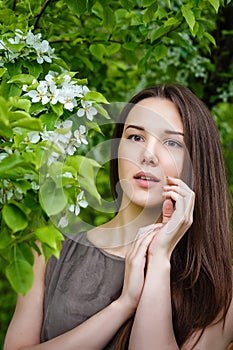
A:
<point x="153" y="326"/>
<point x="97" y="331"/>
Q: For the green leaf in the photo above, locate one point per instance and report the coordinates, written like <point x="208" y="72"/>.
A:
<point x="5" y="238"/>
<point x="147" y="3"/>
<point x="84" y="167"/>
<point x="162" y="31"/>
<point x="131" y="45"/>
<point x="49" y="235"/>
<point x="48" y="251"/>
<point x="88" y="185"/>
<point x="17" y="115"/>
<point x="5" y="129"/>
<point x="215" y="4"/>
<point x="22" y="251"/>
<point x="29" y="124"/>
<point x="49" y="120"/>
<point x="20" y="275"/>
<point x="171" y="22"/>
<point x="160" y="52"/>
<point x="93" y="126"/>
<point x="150" y="12"/>
<point x="22" y="79"/>
<point x="95" y="96"/>
<point x="188" y="15"/>
<point x="9" y="163"/>
<point x="101" y="110"/>
<point x="127" y="4"/>
<point x="113" y="48"/>
<point x="57" y="108"/>
<point x="14" y="217"/>
<point x="2" y="71"/>
<point x="21" y="103"/>
<point x="33" y="68"/>
<point x="14" y="68"/>
<point x="210" y="38"/>
<point x="109" y="19"/>
<point x="77" y="7"/>
<point x="97" y="50"/>
<point x="52" y="199"/>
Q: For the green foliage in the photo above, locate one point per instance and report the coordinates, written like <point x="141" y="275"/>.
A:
<point x="42" y="170"/>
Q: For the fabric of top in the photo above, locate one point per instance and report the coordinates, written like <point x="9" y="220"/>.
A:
<point x="82" y="282"/>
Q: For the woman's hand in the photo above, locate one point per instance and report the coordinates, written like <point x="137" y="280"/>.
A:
<point x="177" y="220"/>
<point x="135" y="266"/>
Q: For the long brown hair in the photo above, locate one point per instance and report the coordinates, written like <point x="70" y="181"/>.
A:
<point x="201" y="265"/>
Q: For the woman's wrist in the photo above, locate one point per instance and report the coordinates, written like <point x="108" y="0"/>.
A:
<point x="125" y="306"/>
<point x="159" y="258"/>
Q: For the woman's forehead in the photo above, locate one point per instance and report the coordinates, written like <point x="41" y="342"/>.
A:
<point x="154" y="114"/>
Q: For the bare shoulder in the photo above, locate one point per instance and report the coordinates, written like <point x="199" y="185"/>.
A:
<point x="28" y="313"/>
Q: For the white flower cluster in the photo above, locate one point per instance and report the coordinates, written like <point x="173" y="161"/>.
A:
<point x="32" y="44"/>
<point x="62" y="141"/>
<point x="64" y="90"/>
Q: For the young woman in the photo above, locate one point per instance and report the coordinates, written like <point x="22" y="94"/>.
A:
<point x="157" y="276"/>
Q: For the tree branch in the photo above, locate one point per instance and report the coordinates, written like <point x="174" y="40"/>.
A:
<point x="38" y="17"/>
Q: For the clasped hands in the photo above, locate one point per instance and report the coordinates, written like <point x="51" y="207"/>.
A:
<point x="157" y="241"/>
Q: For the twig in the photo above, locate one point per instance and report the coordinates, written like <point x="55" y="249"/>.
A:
<point x="14" y="5"/>
<point x="41" y="13"/>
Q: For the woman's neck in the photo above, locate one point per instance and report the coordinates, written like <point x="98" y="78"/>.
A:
<point x="123" y="228"/>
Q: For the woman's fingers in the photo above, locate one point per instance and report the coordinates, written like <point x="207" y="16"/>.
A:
<point x="167" y="211"/>
<point x="178" y="221"/>
<point x="143" y="239"/>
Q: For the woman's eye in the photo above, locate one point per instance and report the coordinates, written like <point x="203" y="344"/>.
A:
<point x="173" y="143"/>
<point x="137" y="138"/>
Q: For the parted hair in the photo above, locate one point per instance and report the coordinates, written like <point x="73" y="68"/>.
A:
<point x="201" y="263"/>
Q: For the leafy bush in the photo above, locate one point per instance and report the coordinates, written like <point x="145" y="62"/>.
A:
<point x="45" y="115"/>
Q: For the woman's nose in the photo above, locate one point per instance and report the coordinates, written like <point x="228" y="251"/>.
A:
<point x="149" y="158"/>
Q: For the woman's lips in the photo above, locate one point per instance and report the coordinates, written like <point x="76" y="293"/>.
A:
<point x="146" y="179"/>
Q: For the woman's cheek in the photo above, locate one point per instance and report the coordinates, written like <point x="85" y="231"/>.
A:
<point x="173" y="165"/>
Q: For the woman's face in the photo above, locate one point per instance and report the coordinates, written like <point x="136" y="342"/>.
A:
<point x="151" y="148"/>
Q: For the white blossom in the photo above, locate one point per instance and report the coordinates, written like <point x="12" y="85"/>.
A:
<point x="87" y="109"/>
<point x="75" y="208"/>
<point x="80" y="135"/>
<point x="35" y="186"/>
<point x="53" y="93"/>
<point x="3" y="155"/>
<point x="25" y="87"/>
<point x="33" y="40"/>
<point x="32" y="137"/>
<point x="40" y="94"/>
<point x="2" y="45"/>
<point x="67" y="175"/>
<point x="44" y="52"/>
<point x="18" y="37"/>
<point x="63" y="222"/>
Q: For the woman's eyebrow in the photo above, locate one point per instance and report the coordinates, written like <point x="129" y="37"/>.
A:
<point x="170" y="132"/>
<point x="135" y="127"/>
<point x="173" y="132"/>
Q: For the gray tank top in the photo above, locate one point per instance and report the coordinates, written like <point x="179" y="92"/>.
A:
<point x="82" y="282"/>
